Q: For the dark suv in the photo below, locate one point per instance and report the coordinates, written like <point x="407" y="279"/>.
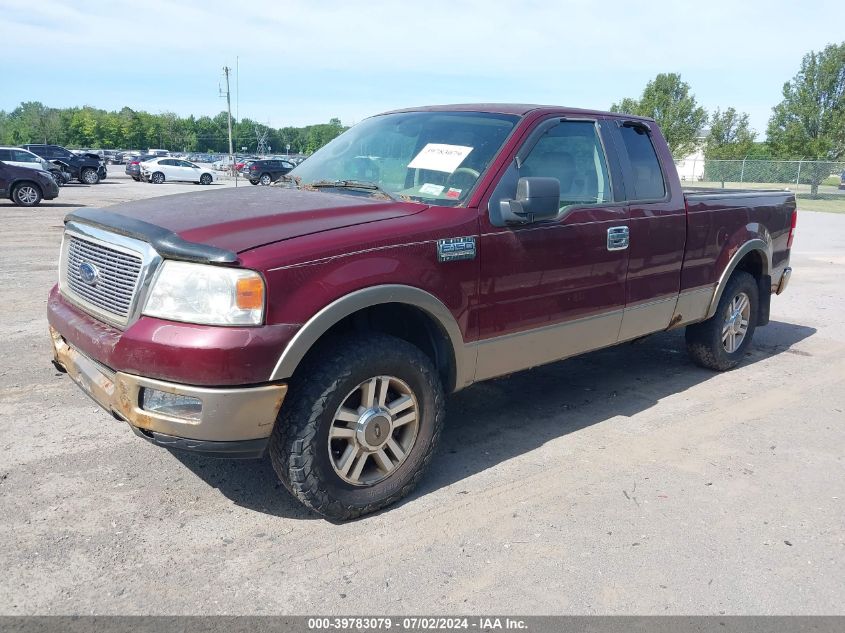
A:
<point x="26" y="187"/>
<point x="263" y="172"/>
<point x="88" y="169"/>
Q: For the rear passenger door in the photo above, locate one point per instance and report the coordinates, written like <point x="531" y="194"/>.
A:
<point x="170" y="168"/>
<point x="190" y="172"/>
<point x="657" y="221"/>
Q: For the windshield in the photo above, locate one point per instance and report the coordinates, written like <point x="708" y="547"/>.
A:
<point x="433" y="157"/>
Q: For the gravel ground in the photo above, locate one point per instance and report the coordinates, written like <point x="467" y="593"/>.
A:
<point x="625" y="481"/>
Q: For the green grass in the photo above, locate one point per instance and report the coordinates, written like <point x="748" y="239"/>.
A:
<point x="831" y="181"/>
<point x="828" y="206"/>
<point x="832" y="203"/>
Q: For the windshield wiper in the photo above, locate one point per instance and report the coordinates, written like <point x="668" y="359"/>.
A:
<point x="351" y="184"/>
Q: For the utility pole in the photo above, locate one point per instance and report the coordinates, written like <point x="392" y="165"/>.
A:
<point x="226" y="71"/>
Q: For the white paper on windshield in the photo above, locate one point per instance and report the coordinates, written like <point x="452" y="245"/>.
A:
<point x="440" y="157"/>
<point x="434" y="190"/>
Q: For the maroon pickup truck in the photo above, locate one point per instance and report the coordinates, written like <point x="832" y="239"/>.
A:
<point x="325" y="318"/>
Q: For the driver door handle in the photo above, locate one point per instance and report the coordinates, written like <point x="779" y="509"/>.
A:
<point x="617" y="238"/>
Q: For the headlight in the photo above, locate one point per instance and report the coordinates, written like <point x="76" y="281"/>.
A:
<point x="208" y="295"/>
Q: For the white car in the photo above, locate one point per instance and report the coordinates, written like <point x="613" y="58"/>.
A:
<point x="22" y="158"/>
<point x="159" y="170"/>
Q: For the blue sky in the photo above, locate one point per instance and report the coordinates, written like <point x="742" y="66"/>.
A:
<point x="304" y="62"/>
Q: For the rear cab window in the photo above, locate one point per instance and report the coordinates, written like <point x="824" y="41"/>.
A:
<point x="647" y="181"/>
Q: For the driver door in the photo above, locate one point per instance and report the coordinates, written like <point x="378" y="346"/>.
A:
<point x="556" y="288"/>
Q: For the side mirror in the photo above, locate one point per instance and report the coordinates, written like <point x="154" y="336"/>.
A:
<point x="536" y="199"/>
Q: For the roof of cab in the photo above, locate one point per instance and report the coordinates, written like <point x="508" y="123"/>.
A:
<point x="519" y="109"/>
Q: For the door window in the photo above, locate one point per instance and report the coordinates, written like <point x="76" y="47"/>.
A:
<point x="571" y="152"/>
<point x="648" y="183"/>
<point x="5" y="154"/>
<point x="21" y="156"/>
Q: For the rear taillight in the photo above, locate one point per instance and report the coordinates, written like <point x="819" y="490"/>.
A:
<point x="792" y="229"/>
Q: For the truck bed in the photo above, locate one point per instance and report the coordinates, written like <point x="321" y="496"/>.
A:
<point x="708" y="193"/>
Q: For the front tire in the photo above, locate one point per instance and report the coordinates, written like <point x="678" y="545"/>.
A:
<point x="265" y="179"/>
<point x="719" y="343"/>
<point x="26" y="194"/>
<point x="157" y="178"/>
<point x="89" y="176"/>
<point x="359" y="427"/>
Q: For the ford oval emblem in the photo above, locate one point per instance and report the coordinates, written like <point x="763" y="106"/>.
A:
<point x="89" y="273"/>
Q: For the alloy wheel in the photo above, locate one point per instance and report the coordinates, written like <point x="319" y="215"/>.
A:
<point x="373" y="430"/>
<point x="735" y="327"/>
<point x="27" y="195"/>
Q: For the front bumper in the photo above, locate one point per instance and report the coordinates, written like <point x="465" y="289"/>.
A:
<point x="233" y="422"/>
<point x="50" y="190"/>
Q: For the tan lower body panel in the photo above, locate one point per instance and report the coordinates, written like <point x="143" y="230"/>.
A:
<point x="692" y="305"/>
<point x="515" y="352"/>
<point x="230" y="414"/>
<point x="647" y="318"/>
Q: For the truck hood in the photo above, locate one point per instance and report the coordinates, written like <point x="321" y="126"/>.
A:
<point x="239" y="219"/>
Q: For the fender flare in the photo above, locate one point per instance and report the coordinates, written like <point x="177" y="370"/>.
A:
<point x="756" y="244"/>
<point x="358" y="300"/>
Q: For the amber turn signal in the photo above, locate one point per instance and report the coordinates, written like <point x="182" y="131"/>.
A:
<point x="250" y="293"/>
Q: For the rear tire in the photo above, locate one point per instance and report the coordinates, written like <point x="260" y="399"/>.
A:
<point x="253" y="182"/>
<point x="719" y="343"/>
<point x="26" y="194"/>
<point x="136" y="178"/>
<point x="205" y="179"/>
<point x="89" y="176"/>
<point x="325" y="444"/>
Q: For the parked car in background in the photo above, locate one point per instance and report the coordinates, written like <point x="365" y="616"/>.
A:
<point x="842" y="180"/>
<point x="244" y="161"/>
<point x="158" y="152"/>
<point x="88" y="168"/>
<point x="133" y="166"/>
<point x="222" y="164"/>
<point x="60" y="171"/>
<point x="160" y="170"/>
<point x="22" y="158"/>
<point x="26" y="186"/>
<point x="265" y="172"/>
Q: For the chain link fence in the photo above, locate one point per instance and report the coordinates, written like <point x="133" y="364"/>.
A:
<point x="818" y="185"/>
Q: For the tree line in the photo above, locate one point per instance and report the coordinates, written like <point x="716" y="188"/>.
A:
<point x="808" y="123"/>
<point x="33" y="122"/>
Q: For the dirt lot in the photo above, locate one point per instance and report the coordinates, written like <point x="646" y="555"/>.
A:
<point x="625" y="481"/>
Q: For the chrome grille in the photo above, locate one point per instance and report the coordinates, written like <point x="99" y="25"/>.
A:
<point x="116" y="281"/>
